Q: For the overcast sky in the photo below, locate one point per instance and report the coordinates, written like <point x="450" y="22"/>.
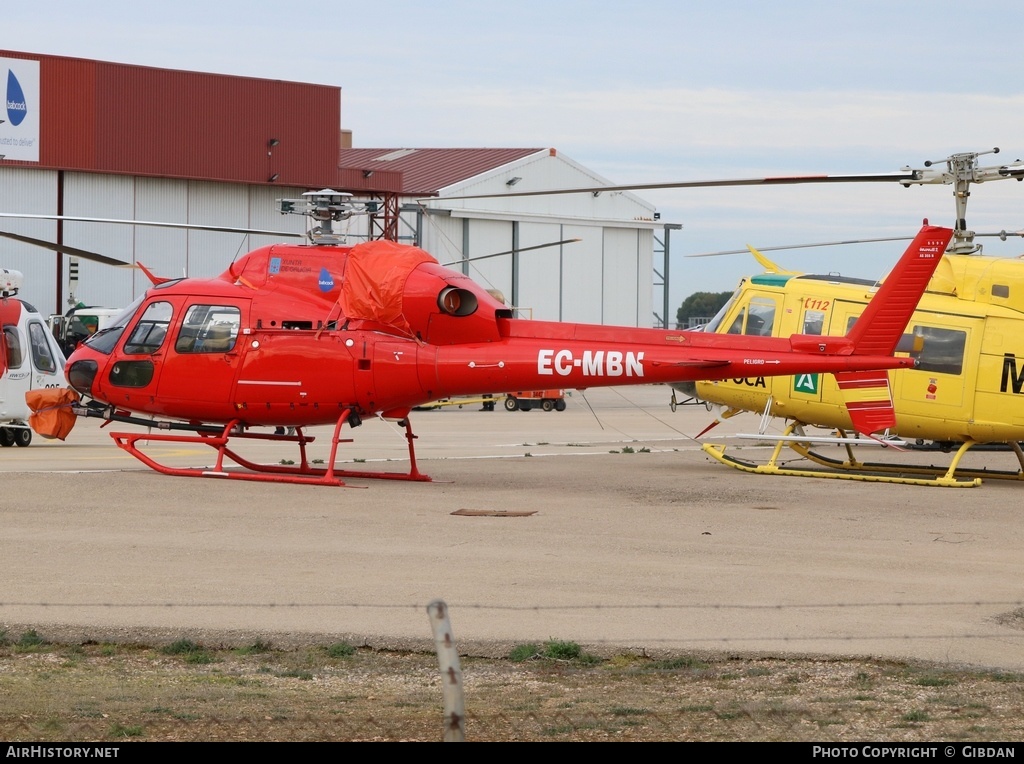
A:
<point x="638" y="92"/>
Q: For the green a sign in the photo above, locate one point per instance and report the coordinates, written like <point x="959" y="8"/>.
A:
<point x="805" y="383"/>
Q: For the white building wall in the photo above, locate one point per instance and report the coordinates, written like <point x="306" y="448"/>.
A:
<point x="542" y="172"/>
<point x="606" y="278"/>
<point x="30" y="191"/>
<point x="583" y="275"/>
<point x="265" y="214"/>
<point x="540" y="271"/>
<point x="100" y="196"/>
<point x="645" y="278"/>
<point x="622" y="278"/>
<point x="164" y="251"/>
<point x="485" y="238"/>
<point x="167" y="252"/>
<point x="210" y="252"/>
<point x="442" y="236"/>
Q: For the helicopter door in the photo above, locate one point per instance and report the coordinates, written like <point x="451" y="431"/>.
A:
<point x="942" y="345"/>
<point x="46" y="359"/>
<point x="200" y="367"/>
<point x="936" y="388"/>
<point x="11" y="360"/>
<point x="137" y="367"/>
<point x="807" y="387"/>
<point x="395" y="370"/>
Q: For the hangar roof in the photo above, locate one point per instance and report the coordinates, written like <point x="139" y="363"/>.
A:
<point x="427" y="171"/>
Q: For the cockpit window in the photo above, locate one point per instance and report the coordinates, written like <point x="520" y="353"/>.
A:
<point x="814" y="321"/>
<point x="148" y="335"/>
<point x="939" y="350"/>
<point x="42" y="356"/>
<point x="209" y="329"/>
<point x="936" y="349"/>
<point x="755" y="319"/>
<point x="15" y="356"/>
<point x="105" y="340"/>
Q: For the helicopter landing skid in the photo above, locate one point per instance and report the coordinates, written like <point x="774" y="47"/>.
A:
<point x="854" y="469"/>
<point x="301" y="473"/>
<point x="866" y="472"/>
<point x="943" y="476"/>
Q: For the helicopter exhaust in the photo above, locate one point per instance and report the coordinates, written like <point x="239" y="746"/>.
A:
<point x="456" y="301"/>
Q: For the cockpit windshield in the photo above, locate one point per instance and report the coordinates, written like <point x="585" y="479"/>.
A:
<point x="714" y="323"/>
<point x="106" y="339"/>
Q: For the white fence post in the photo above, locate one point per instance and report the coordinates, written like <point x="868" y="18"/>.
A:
<point x="451" y="673"/>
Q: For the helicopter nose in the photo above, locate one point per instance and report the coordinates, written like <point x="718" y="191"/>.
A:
<point x="81" y="374"/>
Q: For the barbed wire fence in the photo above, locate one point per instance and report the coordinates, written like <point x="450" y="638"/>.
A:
<point x="760" y="711"/>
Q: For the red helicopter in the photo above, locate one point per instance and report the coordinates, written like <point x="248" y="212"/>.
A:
<point x="292" y="336"/>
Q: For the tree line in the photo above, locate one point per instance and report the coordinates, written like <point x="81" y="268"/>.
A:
<point x="699" y="307"/>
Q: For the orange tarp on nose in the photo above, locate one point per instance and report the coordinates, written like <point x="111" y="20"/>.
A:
<point x="52" y="416"/>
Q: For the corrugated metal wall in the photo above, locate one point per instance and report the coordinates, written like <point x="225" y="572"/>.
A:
<point x="29" y="191"/>
<point x="115" y="118"/>
<point x="167" y="252"/>
<point x="620" y="277"/>
<point x="487" y="237"/>
<point x="102" y="196"/>
<point x="583" y="275"/>
<point x="163" y="250"/>
<point x="540" y="271"/>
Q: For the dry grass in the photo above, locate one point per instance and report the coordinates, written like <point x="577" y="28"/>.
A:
<point x="188" y="691"/>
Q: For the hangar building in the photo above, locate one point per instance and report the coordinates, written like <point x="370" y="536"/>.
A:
<point x="93" y="139"/>
<point x="600" y="274"/>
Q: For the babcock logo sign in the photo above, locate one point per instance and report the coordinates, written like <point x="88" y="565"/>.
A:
<point x="16" y="107"/>
<point x="19" y="117"/>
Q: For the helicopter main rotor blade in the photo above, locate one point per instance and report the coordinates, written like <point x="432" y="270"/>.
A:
<point x="781" y="180"/>
<point x="512" y="251"/>
<point x="1004" y="235"/>
<point x="74" y="251"/>
<point x="798" y="246"/>
<point x="155" y="224"/>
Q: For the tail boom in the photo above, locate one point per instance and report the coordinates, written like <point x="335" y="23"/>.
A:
<point x="541" y="354"/>
<point x="533" y="364"/>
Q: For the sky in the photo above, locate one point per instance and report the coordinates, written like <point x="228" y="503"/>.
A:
<point x="652" y="91"/>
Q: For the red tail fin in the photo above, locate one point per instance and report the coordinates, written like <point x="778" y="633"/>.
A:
<point x="885" y="318"/>
<point x="868" y="400"/>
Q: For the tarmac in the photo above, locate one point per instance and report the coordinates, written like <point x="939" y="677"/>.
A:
<point x="604" y="524"/>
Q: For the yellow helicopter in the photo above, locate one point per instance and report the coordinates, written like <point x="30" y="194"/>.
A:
<point x="967" y="389"/>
